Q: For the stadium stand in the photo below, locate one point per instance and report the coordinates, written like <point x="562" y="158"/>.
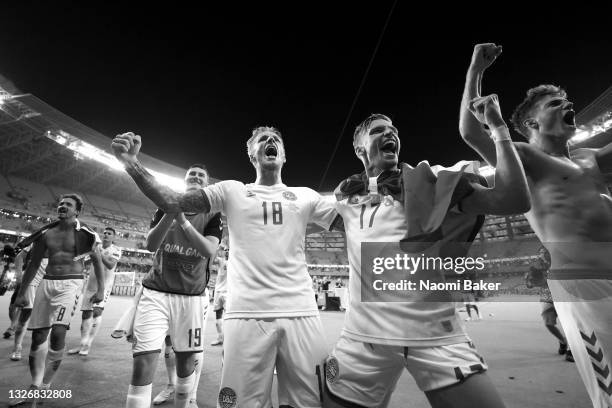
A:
<point x="44" y="153"/>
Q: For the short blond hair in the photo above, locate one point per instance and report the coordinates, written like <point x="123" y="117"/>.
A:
<point x="258" y="131"/>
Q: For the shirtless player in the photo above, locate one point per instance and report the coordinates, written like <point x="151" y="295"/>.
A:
<point x="571" y="213"/>
<point x="60" y="289"/>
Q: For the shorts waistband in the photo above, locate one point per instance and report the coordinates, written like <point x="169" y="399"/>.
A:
<point x="62" y="277"/>
<point x="573" y="274"/>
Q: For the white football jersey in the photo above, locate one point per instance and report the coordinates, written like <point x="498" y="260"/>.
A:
<point x="411" y="323"/>
<point x="266" y="271"/>
<point x="115" y="253"/>
<point x="221" y="282"/>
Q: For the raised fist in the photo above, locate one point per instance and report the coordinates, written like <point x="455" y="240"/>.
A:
<point x="486" y="109"/>
<point x="484" y="55"/>
<point x="126" y="146"/>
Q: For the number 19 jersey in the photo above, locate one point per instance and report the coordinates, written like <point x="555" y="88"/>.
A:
<point x="266" y="271"/>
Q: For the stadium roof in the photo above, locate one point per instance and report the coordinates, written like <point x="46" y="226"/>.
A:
<point x="597" y="118"/>
<point x="27" y="151"/>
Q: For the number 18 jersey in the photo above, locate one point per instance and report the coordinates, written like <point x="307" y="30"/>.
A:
<point x="266" y="271"/>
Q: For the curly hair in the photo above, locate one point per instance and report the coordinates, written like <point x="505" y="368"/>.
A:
<point x="77" y="198"/>
<point x="534" y="95"/>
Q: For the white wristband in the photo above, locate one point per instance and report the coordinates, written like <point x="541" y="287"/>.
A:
<point x="185" y="225"/>
<point x="500" y="134"/>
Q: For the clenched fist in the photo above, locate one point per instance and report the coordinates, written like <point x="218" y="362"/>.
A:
<point x="97" y="297"/>
<point x="486" y="109"/>
<point x="484" y="55"/>
<point x="126" y="146"/>
<point x="20" y="301"/>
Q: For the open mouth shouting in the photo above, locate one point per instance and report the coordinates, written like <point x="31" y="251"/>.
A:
<point x="388" y="147"/>
<point x="569" y="118"/>
<point x="271" y="152"/>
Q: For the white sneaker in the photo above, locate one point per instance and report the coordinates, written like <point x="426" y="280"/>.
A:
<point x="217" y="342"/>
<point x="164" y="395"/>
<point x="84" y="351"/>
<point x="16" y="355"/>
<point x="75" y="350"/>
<point x="467" y="319"/>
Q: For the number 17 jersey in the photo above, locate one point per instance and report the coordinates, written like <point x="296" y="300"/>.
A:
<point x="266" y="270"/>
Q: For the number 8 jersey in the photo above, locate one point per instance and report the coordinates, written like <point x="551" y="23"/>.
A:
<point x="266" y="271"/>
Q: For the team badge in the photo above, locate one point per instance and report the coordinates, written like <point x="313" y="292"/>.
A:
<point x="331" y="370"/>
<point x="354" y="199"/>
<point x="250" y="193"/>
<point x="227" y="398"/>
<point x="288" y="195"/>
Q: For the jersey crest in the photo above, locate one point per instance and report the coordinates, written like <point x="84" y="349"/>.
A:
<point x="288" y="195"/>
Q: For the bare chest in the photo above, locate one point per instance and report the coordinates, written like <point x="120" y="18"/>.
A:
<point x="61" y="241"/>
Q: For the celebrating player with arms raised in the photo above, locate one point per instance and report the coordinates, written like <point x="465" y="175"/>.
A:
<point x="271" y="318"/>
<point x="431" y="206"/>
<point x="571" y="213"/>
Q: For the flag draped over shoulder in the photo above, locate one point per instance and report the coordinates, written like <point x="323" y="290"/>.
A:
<point x="84" y="237"/>
<point x="428" y="194"/>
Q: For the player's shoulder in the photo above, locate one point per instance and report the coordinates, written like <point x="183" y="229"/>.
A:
<point x="229" y="187"/>
<point x="229" y="184"/>
<point x="524" y="148"/>
<point x="304" y="191"/>
<point x="351" y="201"/>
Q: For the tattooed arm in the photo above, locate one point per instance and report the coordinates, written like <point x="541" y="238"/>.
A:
<point x="126" y="147"/>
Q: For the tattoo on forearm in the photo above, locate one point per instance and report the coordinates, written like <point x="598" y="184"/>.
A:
<point x="194" y="201"/>
<point x="164" y="197"/>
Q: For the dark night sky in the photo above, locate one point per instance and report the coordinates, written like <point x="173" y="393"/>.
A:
<point x="194" y="82"/>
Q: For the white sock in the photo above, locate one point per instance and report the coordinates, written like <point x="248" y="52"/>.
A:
<point x="85" y="329"/>
<point x="219" y="324"/>
<point x="197" y="364"/>
<point x="37" y="363"/>
<point x="54" y="359"/>
<point x="93" y="331"/>
<point x="183" y="389"/>
<point x="139" y="396"/>
<point x="20" y="331"/>
<point x="170" y="361"/>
